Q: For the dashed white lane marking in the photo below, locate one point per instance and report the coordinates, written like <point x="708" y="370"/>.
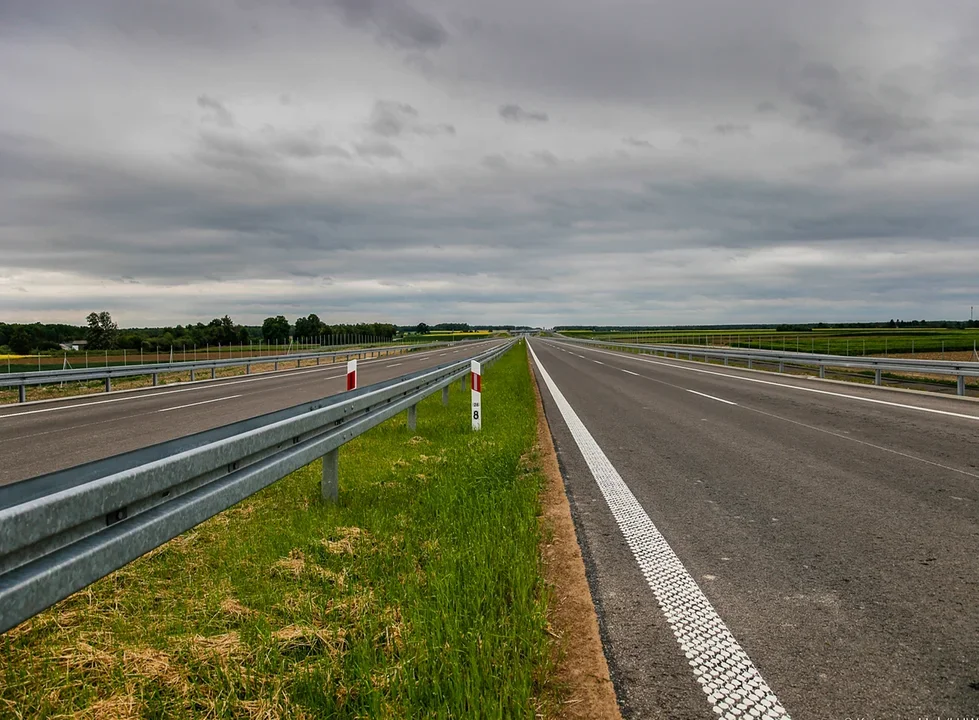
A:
<point x="202" y="402"/>
<point x="282" y="375"/>
<point x="732" y="683"/>
<point x="598" y="362"/>
<point x="393" y="365"/>
<point x="791" y="387"/>
<point x="629" y="371"/>
<point x="727" y="402"/>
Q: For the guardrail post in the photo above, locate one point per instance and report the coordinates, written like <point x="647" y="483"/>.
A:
<point x="213" y="373"/>
<point x="876" y="376"/>
<point x="317" y="361"/>
<point x="248" y="369"/>
<point x="462" y="383"/>
<point x="193" y="375"/>
<point x="330" y="484"/>
<point x="156" y="379"/>
<point x="725" y="360"/>
<point x="275" y="366"/>
<point x="299" y="363"/>
<point x="108" y="384"/>
<point x="781" y="366"/>
<point x="960" y="385"/>
<point x="412" y="417"/>
<point x="750" y="362"/>
<point x="822" y="371"/>
<point x="445" y="395"/>
<point x="22" y="393"/>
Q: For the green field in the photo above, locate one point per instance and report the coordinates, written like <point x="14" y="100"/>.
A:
<point x="419" y="595"/>
<point x="834" y="341"/>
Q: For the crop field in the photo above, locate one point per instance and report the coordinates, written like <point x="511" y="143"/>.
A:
<point x="101" y="358"/>
<point x="420" y="594"/>
<point x="950" y="343"/>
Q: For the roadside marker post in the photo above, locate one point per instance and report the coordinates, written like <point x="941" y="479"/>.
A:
<point x="351" y="375"/>
<point x="477" y="393"/>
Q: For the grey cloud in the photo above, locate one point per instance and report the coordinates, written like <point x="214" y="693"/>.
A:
<point x="394" y="21"/>
<point x="377" y="149"/>
<point x="862" y="206"/>
<point x="219" y="113"/>
<point x="547" y="158"/>
<point x="391" y="119"/>
<point x="515" y="113"/>
<point x="495" y="162"/>
<point x="732" y="129"/>
<point x="880" y="118"/>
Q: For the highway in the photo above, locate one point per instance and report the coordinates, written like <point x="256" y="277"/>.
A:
<point x="760" y="546"/>
<point x="39" y="438"/>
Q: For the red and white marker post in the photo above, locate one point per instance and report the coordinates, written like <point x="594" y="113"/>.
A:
<point x="477" y="394"/>
<point x="352" y="375"/>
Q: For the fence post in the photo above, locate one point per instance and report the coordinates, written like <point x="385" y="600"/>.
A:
<point x="412" y="417"/>
<point x="445" y="395"/>
<point x="329" y="484"/>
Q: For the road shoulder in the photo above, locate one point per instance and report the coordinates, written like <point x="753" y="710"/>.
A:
<point x="581" y="665"/>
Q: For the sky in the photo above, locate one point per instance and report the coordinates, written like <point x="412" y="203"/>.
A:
<point x="489" y="161"/>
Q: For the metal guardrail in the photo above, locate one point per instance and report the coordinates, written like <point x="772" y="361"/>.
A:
<point x="951" y="368"/>
<point x="62" y="531"/>
<point x="109" y="372"/>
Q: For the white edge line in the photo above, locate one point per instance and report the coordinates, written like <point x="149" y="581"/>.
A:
<point x="738" y="689"/>
<point x="202" y="402"/>
<point x="727" y="402"/>
<point x="789" y="387"/>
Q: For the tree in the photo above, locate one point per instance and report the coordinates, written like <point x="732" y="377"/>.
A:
<point x="275" y="329"/>
<point x="21" y="341"/>
<point x="307" y="327"/>
<point x="102" y="331"/>
<point x="422" y="329"/>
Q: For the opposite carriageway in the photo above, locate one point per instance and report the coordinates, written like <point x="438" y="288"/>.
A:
<point x="60" y="532"/>
<point x="44" y="437"/>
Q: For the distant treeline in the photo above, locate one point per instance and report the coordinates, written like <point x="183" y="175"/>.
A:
<point x="784" y="327"/>
<point x="455" y="327"/>
<point x="101" y="333"/>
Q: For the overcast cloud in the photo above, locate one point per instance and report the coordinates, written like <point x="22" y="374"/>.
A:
<point x="553" y="162"/>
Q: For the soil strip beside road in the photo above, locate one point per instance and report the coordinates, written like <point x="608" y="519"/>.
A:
<point x="582" y="670"/>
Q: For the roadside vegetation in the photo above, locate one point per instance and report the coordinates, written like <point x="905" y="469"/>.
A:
<point x="956" y="343"/>
<point x="419" y="595"/>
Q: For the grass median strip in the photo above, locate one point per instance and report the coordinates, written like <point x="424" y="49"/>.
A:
<point x="420" y="594"/>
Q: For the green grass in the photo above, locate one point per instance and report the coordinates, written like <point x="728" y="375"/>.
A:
<point x="419" y="595"/>
<point x="834" y="341"/>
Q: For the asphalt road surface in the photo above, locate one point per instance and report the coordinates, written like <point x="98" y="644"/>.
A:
<point x="43" y="437"/>
<point x="760" y="546"/>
